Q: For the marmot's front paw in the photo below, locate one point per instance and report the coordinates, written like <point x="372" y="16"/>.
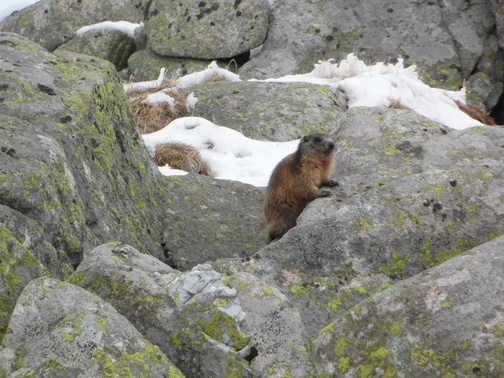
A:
<point x="325" y="193"/>
<point x="330" y="183"/>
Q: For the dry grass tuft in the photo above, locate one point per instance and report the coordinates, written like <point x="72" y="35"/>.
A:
<point x="153" y="118"/>
<point x="477" y="113"/>
<point x="180" y="156"/>
<point x="397" y="104"/>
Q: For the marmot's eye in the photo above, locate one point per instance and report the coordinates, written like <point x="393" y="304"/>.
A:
<point x="318" y="140"/>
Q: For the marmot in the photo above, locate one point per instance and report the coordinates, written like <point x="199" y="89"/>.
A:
<point x="296" y="181"/>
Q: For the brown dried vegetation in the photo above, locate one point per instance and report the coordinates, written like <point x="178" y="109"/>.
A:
<point x="153" y="118"/>
<point x="180" y="156"/>
<point x="476" y="113"/>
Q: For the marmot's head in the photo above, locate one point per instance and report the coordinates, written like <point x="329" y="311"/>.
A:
<point x="321" y="143"/>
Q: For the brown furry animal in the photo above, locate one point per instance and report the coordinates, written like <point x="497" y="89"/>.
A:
<point x="296" y="181"/>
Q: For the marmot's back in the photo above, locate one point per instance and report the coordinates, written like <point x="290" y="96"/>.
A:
<point x="296" y="181"/>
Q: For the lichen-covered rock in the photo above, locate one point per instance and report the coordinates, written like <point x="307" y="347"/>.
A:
<point x="68" y="134"/>
<point x="273" y="323"/>
<point x="206" y="30"/>
<point x="271" y="111"/>
<point x="446" y="321"/>
<point x="112" y="45"/>
<point x="58" y="329"/>
<point x="193" y="317"/>
<point x="18" y="267"/>
<point x="145" y="65"/>
<point x="51" y="23"/>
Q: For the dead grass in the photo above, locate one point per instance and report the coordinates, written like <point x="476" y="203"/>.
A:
<point x="153" y="118"/>
<point x="476" y="113"/>
<point x="180" y="156"/>
<point x="397" y="104"/>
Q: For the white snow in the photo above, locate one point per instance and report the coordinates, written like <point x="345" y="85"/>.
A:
<point x="211" y="73"/>
<point x="9" y="6"/>
<point x="229" y="154"/>
<point x="191" y="102"/>
<point x="145" y="85"/>
<point x="159" y="98"/>
<point x="123" y="26"/>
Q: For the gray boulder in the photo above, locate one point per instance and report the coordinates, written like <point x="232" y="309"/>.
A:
<point x="112" y="45"/>
<point x="205" y="219"/>
<point x="271" y="111"/>
<point x="446" y="321"/>
<point x="277" y="336"/>
<point x="145" y="65"/>
<point x="497" y="7"/>
<point x="70" y="119"/>
<point x="52" y="23"/>
<point x="58" y="329"/>
<point x="446" y="41"/>
<point x="193" y="317"/>
<point x="202" y="30"/>
<point x="206" y="30"/>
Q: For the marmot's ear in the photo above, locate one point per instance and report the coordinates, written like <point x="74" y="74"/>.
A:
<point x="305" y="139"/>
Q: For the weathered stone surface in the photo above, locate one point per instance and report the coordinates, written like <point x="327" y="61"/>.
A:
<point x="18" y="267"/>
<point x="497" y="7"/>
<point x="145" y="65"/>
<point x="51" y="23"/>
<point x="71" y="133"/>
<point x="58" y="329"/>
<point x="112" y="45"/>
<point x="273" y="323"/>
<point x="194" y="317"/>
<point x="445" y="321"/>
<point x="445" y="41"/>
<point x="206" y="30"/>
<point x="270" y="111"/>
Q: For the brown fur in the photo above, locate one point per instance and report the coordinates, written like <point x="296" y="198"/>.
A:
<point x="296" y="181"/>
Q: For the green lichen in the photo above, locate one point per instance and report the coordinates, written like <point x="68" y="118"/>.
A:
<point x="398" y="221"/>
<point x="497" y="330"/>
<point x="438" y="190"/>
<point x="446" y="303"/>
<point x="221" y="302"/>
<point x="327" y="329"/>
<point x="333" y="305"/>
<point x="494" y="235"/>
<point x="461" y="245"/>
<point x="362" y="225"/>
<point x="339" y="347"/>
<point x="397" y="269"/>
<point x="395" y="328"/>
<point x="213" y="323"/>
<point x="129" y="365"/>
<point x="299" y="290"/>
<point x="14" y="259"/>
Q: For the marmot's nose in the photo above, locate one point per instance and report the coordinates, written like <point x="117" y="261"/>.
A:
<point x="330" y="146"/>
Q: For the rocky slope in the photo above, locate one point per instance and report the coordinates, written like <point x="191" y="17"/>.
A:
<point x="110" y="269"/>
